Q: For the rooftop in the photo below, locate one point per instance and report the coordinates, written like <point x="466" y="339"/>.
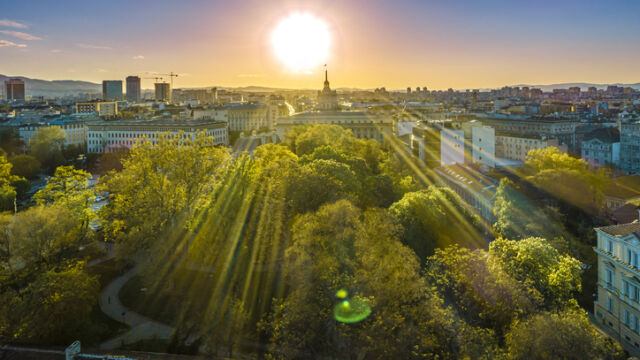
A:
<point x="606" y="135"/>
<point x="622" y="229"/>
<point x="624" y="187"/>
<point x="161" y="122"/>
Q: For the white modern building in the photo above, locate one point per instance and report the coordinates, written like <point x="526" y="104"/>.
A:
<point x="483" y="141"/>
<point x="107" y="136"/>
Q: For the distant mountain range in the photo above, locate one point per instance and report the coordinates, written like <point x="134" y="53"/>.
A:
<point x="581" y="85"/>
<point x="37" y="87"/>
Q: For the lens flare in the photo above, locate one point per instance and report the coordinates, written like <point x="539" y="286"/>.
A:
<point x="301" y="41"/>
<point x="351" y="311"/>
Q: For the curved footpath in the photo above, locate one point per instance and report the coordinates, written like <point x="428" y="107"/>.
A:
<point x="142" y="328"/>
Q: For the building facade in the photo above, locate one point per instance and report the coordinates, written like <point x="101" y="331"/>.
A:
<point x="327" y="98"/>
<point x="517" y="147"/>
<point x="363" y="125"/>
<point x="483" y="146"/>
<point x="107" y="136"/>
<point x="99" y="108"/>
<point x="438" y="143"/>
<point x="15" y="90"/>
<point x="163" y="91"/>
<point x="75" y="131"/>
<point x="601" y="147"/>
<point x="617" y="306"/>
<point x="112" y="90"/>
<point x="134" y="89"/>
<point x="630" y="148"/>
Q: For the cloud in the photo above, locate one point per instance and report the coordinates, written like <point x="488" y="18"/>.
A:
<point x="101" y="70"/>
<point x="55" y="51"/>
<point x="4" y="43"/>
<point x="20" y="35"/>
<point x="96" y="47"/>
<point x="138" y="57"/>
<point x="13" y="24"/>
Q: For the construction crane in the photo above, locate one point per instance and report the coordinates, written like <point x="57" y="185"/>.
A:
<point x="157" y="79"/>
<point x="171" y="76"/>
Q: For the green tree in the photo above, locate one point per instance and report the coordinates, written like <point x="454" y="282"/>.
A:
<point x="8" y="184"/>
<point x="159" y="182"/>
<point x="69" y="188"/>
<point x="567" y="178"/>
<point x="25" y="166"/>
<point x="436" y="217"/>
<point x="517" y="217"/>
<point x="46" y="146"/>
<point x="563" y="335"/>
<point x="54" y="308"/>
<point x="333" y="249"/>
<point x="45" y="236"/>
<point x="550" y="277"/>
<point x="483" y="294"/>
<point x="10" y="140"/>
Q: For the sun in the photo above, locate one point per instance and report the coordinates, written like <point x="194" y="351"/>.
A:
<point x="301" y="41"/>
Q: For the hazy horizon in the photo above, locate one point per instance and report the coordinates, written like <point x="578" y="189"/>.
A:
<point x="436" y="44"/>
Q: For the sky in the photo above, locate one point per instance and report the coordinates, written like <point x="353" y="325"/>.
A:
<point x="460" y="44"/>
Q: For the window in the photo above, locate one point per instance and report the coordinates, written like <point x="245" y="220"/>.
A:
<point x="626" y="317"/>
<point x="609" y="244"/>
<point x="609" y="304"/>
<point x="609" y="276"/>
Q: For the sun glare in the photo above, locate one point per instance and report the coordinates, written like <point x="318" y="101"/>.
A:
<point x="301" y="41"/>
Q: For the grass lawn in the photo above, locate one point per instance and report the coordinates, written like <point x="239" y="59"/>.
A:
<point x="150" y="345"/>
<point x="167" y="306"/>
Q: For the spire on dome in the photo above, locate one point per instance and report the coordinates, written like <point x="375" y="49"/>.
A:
<point x="326" y="79"/>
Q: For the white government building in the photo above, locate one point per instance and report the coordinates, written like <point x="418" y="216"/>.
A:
<point x="106" y="136"/>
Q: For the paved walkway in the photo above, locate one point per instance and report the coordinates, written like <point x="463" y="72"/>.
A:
<point x="142" y="328"/>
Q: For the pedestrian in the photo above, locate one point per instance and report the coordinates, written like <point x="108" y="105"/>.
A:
<point x="109" y="300"/>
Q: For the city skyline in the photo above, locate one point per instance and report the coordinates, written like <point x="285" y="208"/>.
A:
<point x="372" y="44"/>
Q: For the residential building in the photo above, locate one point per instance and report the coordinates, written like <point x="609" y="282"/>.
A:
<point x="563" y="130"/>
<point x="100" y="108"/>
<point x="621" y="190"/>
<point x="134" y="89"/>
<point x="14" y="89"/>
<point x="163" y="91"/>
<point x="112" y="90"/>
<point x="630" y="147"/>
<point x="107" y="136"/>
<point x="517" y="147"/>
<point x="617" y="306"/>
<point x="601" y="147"/>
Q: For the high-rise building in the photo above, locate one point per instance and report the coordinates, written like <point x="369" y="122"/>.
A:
<point x="133" y="89"/>
<point x="112" y="90"/>
<point x="14" y="89"/>
<point x="163" y="92"/>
